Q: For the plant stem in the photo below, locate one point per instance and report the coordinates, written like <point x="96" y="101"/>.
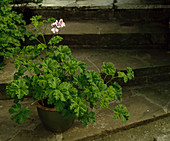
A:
<point x="38" y="40"/>
<point x="109" y="80"/>
<point x="43" y="38"/>
<point x="32" y="103"/>
<point x="42" y="102"/>
<point x="105" y="77"/>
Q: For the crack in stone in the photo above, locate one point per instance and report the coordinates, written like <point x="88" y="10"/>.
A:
<point x="17" y="132"/>
<point x="163" y="107"/>
<point x="166" y="107"/>
<point x="128" y="127"/>
<point x="93" y="64"/>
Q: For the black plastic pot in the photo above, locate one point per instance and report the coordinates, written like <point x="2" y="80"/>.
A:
<point x="53" y="120"/>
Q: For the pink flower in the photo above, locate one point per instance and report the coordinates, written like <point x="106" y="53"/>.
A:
<point x="55" y="23"/>
<point x="61" y="24"/>
<point x="54" y="30"/>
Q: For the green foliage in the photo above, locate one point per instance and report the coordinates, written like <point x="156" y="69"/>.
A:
<point x="120" y="111"/>
<point x="108" y="68"/>
<point x="20" y="115"/>
<point x="63" y="81"/>
<point x="55" y="40"/>
<point x="130" y="75"/>
<point x="12" y="29"/>
<point x="17" y="88"/>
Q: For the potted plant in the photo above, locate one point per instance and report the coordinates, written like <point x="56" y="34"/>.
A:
<point x="60" y="85"/>
<point x="12" y="29"/>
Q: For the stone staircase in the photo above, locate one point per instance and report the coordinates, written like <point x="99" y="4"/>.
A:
<point x="131" y="33"/>
<point x="128" y="27"/>
<point x="138" y="30"/>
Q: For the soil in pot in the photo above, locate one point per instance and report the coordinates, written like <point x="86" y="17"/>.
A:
<point x="52" y="119"/>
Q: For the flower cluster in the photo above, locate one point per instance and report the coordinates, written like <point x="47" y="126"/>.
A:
<point x="56" y="25"/>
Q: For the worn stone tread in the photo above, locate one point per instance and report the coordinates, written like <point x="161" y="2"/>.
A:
<point x="105" y="27"/>
<point x="149" y="61"/>
<point x="85" y="4"/>
<point x="142" y="4"/>
<point x="146" y="104"/>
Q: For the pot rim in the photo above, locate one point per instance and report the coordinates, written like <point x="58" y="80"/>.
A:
<point x="45" y="108"/>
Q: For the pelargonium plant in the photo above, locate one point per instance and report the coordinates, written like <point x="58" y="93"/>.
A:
<point x="12" y="31"/>
<point x="53" y="77"/>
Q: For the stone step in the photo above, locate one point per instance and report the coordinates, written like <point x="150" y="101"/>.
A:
<point x="141" y="1"/>
<point x="148" y="105"/>
<point x="142" y="4"/>
<point x="150" y="66"/>
<point x="97" y="9"/>
<point x="110" y="34"/>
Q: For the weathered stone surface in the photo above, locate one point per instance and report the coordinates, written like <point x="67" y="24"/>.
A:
<point x="122" y="58"/>
<point x="163" y="138"/>
<point x="141" y="1"/>
<point x="87" y="4"/>
<point x="141" y="4"/>
<point x="8" y="128"/>
<point x="151" y="132"/>
<point x="140" y="109"/>
<point x="158" y="93"/>
<point x="124" y="6"/>
<point x="96" y="3"/>
<point x="145" y="62"/>
<point x="111" y="34"/>
<point x="6" y="75"/>
<point x="105" y="27"/>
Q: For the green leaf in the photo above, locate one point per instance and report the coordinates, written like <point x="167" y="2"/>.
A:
<point x="50" y="65"/>
<point x="121" y="111"/>
<point x="15" y="108"/>
<point x="20" y="72"/>
<point x="122" y="75"/>
<point x="79" y="106"/>
<point x="41" y="47"/>
<point x="51" y="20"/>
<point x="20" y="115"/>
<point x="17" y="88"/>
<point x="35" y="21"/>
<point x="33" y="37"/>
<point x="59" y="105"/>
<point x="58" y="95"/>
<point x="54" y="82"/>
<point x="66" y="113"/>
<point x="118" y="89"/>
<point x="87" y="117"/>
<point x="108" y="68"/>
<point x="130" y="73"/>
<point x="55" y="40"/>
